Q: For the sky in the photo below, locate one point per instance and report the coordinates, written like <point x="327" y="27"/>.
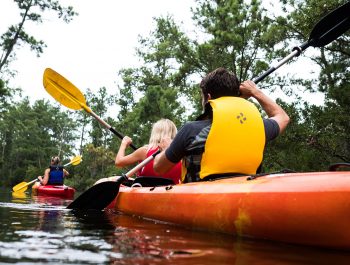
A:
<point x="90" y="49"/>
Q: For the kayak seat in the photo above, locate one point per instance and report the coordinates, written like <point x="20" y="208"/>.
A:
<point x="151" y="182"/>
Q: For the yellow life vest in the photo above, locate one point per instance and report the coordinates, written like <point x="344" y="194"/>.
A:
<point x="236" y="140"/>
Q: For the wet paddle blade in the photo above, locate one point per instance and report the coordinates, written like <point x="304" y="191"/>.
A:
<point x="62" y="90"/>
<point x="97" y="197"/>
<point x="21" y="187"/>
<point x="331" y="26"/>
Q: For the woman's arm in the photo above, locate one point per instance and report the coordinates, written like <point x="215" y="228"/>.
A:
<point x="46" y="177"/>
<point x="122" y="160"/>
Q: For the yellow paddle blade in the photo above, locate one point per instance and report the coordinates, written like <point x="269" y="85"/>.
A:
<point x="21" y="187"/>
<point x="63" y="91"/>
<point x="76" y="160"/>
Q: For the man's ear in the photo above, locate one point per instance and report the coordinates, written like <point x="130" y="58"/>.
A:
<point x="209" y="96"/>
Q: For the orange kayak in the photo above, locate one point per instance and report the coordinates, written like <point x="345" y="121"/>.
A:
<point x="302" y="208"/>
<point x="62" y="191"/>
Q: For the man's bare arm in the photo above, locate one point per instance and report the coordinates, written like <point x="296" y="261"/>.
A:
<point x="273" y="110"/>
<point x="162" y="164"/>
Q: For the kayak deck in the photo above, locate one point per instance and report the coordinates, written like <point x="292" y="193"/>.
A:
<point x="302" y="208"/>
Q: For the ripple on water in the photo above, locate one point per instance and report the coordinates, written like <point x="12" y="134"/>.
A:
<point x="53" y="247"/>
<point x="33" y="206"/>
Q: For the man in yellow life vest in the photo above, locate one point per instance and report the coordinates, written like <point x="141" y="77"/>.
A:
<point x="229" y="137"/>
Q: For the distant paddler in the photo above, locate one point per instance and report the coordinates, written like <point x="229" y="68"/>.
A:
<point x="54" y="174"/>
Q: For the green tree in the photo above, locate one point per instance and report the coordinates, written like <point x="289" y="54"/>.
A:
<point x="152" y="91"/>
<point x="97" y="163"/>
<point x="240" y="36"/>
<point x="30" y="135"/>
<point x="5" y="95"/>
<point x="235" y="34"/>
<point x="323" y="131"/>
<point x="16" y="36"/>
<point x="100" y="103"/>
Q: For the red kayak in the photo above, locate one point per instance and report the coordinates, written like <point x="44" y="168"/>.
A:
<point x="62" y="191"/>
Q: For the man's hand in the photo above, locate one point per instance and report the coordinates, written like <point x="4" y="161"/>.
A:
<point x="248" y="89"/>
<point x="273" y="110"/>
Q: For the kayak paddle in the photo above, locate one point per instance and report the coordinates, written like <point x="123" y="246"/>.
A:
<point x="70" y="96"/>
<point x="102" y="194"/>
<point x="329" y="28"/>
<point x="23" y="186"/>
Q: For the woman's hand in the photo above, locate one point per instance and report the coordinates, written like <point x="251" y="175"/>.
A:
<point x="126" y="141"/>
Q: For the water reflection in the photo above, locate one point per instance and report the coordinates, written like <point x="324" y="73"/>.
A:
<point x="45" y="231"/>
<point x="93" y="220"/>
<point x="41" y="230"/>
<point x="143" y="241"/>
<point x="20" y="197"/>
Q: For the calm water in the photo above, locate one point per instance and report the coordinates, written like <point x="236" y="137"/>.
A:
<point x="39" y="230"/>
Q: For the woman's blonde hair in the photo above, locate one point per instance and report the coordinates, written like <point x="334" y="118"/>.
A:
<point x="162" y="129"/>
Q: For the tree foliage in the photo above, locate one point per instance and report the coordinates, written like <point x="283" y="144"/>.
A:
<point x="100" y="104"/>
<point x="323" y="131"/>
<point x="17" y="36"/>
<point x="239" y="35"/>
<point x="30" y="135"/>
<point x="152" y="91"/>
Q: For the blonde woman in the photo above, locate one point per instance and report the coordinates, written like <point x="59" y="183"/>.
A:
<point x="163" y="132"/>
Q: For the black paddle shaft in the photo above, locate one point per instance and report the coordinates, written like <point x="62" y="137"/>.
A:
<point x="121" y="137"/>
<point x="109" y="127"/>
<point x="325" y="31"/>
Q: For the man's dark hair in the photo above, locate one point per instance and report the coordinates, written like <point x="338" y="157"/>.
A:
<point x="220" y="83"/>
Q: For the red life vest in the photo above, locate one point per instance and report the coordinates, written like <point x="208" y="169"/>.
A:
<point x="147" y="171"/>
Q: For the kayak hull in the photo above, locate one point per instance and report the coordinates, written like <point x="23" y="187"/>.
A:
<point x="305" y="208"/>
<point x="54" y="191"/>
